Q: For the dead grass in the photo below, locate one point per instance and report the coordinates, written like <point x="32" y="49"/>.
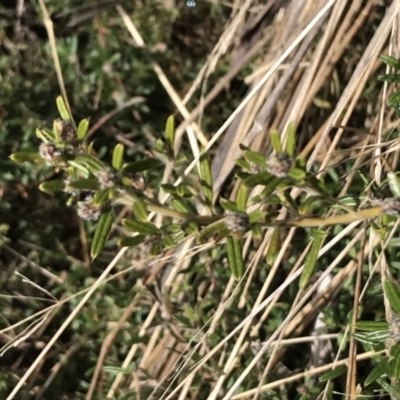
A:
<point x="309" y="63"/>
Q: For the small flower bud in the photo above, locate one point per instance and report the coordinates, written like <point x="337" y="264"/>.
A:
<point x="279" y="164"/>
<point x="106" y="178"/>
<point x="65" y="130"/>
<point x="151" y="239"/>
<point x="135" y="180"/>
<point x="254" y="168"/>
<point x="89" y="211"/>
<point x="236" y="221"/>
<point x="394" y="328"/>
<point x="390" y="206"/>
<point x="72" y="191"/>
<point x="49" y="153"/>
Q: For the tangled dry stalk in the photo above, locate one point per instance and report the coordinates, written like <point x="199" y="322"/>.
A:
<point x="302" y="72"/>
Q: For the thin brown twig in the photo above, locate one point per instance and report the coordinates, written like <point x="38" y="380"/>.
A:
<point x="105" y="347"/>
<point x="48" y="23"/>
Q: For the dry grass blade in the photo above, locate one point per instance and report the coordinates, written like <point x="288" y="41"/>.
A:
<point x="296" y="377"/>
<point x="260" y="84"/>
<point x="52" y="40"/>
<point x="62" y="328"/>
<point x="306" y="192"/>
<point x="107" y="344"/>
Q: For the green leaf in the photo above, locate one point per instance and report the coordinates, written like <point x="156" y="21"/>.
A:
<point x="372" y="338"/>
<point x="243" y="164"/>
<point x="378" y="336"/>
<point x="273" y="247"/>
<point x="262" y="178"/>
<point x="189" y="313"/>
<point x="206" y="179"/>
<point x="142" y="165"/>
<point x="276" y="141"/>
<point x="235" y="260"/>
<point x="55" y="185"/>
<point x="290" y="139"/>
<point x="159" y="146"/>
<point x="395" y="351"/>
<point x="371" y="326"/>
<point x="172" y="228"/>
<point x="170" y="132"/>
<point x="102" y="196"/>
<point x="179" y="206"/>
<point x="391" y="61"/>
<point x="191" y="227"/>
<point x="334" y="373"/>
<point x="270" y="186"/>
<point x="139" y="210"/>
<point x="256" y="231"/>
<point x="306" y="204"/>
<point x="84" y="184"/>
<point x="117" y="370"/>
<point x="168" y="242"/>
<point x="287" y="201"/>
<point x="169" y="188"/>
<point x="312" y="256"/>
<point x="349" y="201"/>
<point x="390" y="78"/>
<point x="256" y="216"/>
<point x="215" y="227"/>
<point x="62" y="108"/>
<point x="78" y="169"/>
<point x="394" y="100"/>
<point x="180" y="190"/>
<point x="155" y="249"/>
<point x="317" y="185"/>
<point x="363" y="338"/>
<point x="93" y="165"/>
<point x="89" y="148"/>
<point x="144" y="228"/>
<point x="393" y="296"/>
<point x="241" y="198"/>
<point x="379" y="370"/>
<point x="394" y="184"/>
<point x="22" y="156"/>
<point x="103" y="228"/>
<point x="131" y="241"/>
<point x="297" y="174"/>
<point x="117" y="157"/>
<point x="391" y="390"/>
<point x="55" y="130"/>
<point x="45" y="136"/>
<point x="394" y="366"/>
<point x="253" y="157"/>
<point x="228" y="205"/>
<point x="82" y="129"/>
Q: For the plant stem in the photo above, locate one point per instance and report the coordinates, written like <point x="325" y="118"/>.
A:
<point x="167" y="212"/>
<point x="338" y="219"/>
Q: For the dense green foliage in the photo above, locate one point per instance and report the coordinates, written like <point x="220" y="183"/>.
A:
<point x="79" y="185"/>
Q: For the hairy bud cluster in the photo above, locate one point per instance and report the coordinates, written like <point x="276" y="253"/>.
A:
<point x="65" y="130"/>
<point x="49" y="153"/>
<point x="88" y="210"/>
<point x="390" y="206"/>
<point x="236" y="221"/>
<point x="279" y="164"/>
<point x="106" y="178"/>
<point x="137" y="182"/>
<point x="394" y="328"/>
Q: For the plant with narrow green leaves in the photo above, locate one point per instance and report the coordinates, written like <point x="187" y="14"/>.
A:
<point x="96" y="188"/>
<point x="394" y="99"/>
<point x="384" y="339"/>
